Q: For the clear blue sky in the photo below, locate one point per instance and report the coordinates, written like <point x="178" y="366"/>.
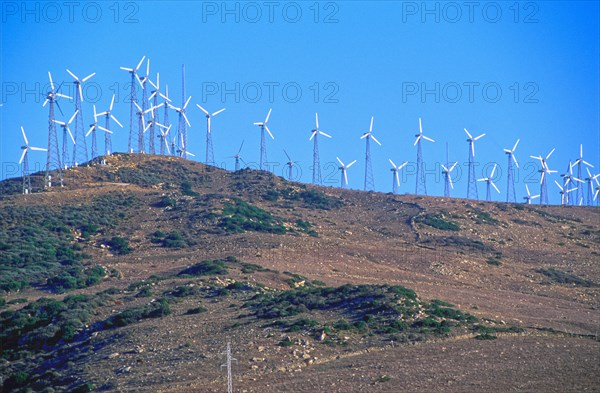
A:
<point x="349" y="60"/>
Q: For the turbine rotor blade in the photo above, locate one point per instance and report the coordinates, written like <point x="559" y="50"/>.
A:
<point x="371" y="126"/>
<point x="427" y="138"/>
<point x="324" y="134"/>
<point x="140" y="63"/>
<point x="468" y="134"/>
<point x="202" y="109"/>
<point x="217" y="112"/>
<point x="24" y="136"/>
<point x="23" y="155"/>
<point x="372" y="137"/>
<point x="515" y="146"/>
<point x="88" y="77"/>
<point x="340" y="161"/>
<point x="352" y="163"/>
<point x="392" y="162"/>
<point x="493" y="185"/>
<point x="317" y="120"/>
<point x="115" y="119"/>
<point x="269" y="131"/>
<point x="268" y="115"/>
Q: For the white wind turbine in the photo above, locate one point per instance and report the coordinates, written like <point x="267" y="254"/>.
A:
<point x="164" y="144"/>
<point x="180" y="131"/>
<point x="590" y="186"/>
<point x="66" y="130"/>
<point x="367" y="136"/>
<point x="290" y="164"/>
<point x="529" y="197"/>
<point x="80" y="153"/>
<point x="263" y="143"/>
<point x="25" y="161"/>
<point x="510" y="188"/>
<point x="343" y="168"/>
<point x="133" y="99"/>
<point x="564" y="194"/>
<point x="578" y="163"/>
<point x="421" y="185"/>
<point x="472" y="183"/>
<point x="395" y="178"/>
<point x="210" y="157"/>
<point x="489" y="182"/>
<point x="183" y="151"/>
<point x="238" y="157"/>
<point x="314" y="136"/>
<point x="107" y="136"/>
<point x="448" y="178"/>
<point x="543" y="178"/>
<point x="92" y="131"/>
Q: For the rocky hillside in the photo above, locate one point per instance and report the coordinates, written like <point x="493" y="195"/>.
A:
<point x="137" y="273"/>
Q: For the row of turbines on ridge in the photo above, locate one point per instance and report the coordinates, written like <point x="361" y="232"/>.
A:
<point x="145" y="126"/>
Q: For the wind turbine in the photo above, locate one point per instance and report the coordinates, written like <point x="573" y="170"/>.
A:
<point x="564" y="194"/>
<point x="183" y="121"/>
<point x="144" y="80"/>
<point x="590" y="186"/>
<point x="152" y="122"/>
<point x="263" y="144"/>
<point x="80" y="153"/>
<point x="448" y="178"/>
<point x="133" y="97"/>
<point x="164" y="144"/>
<point x="314" y="135"/>
<point x="579" y="163"/>
<point x="107" y="136"/>
<point x="25" y="161"/>
<point x="183" y="151"/>
<point x="489" y="182"/>
<point x="290" y="164"/>
<point x="420" y="184"/>
<point x="210" y="157"/>
<point x="543" y="178"/>
<point x="141" y="126"/>
<point x="343" y="168"/>
<point x="92" y="131"/>
<point x="472" y="185"/>
<point x="238" y="157"/>
<point x="53" y="156"/>
<point x="529" y="197"/>
<point x="395" y="177"/>
<point x="367" y="136"/>
<point x="510" y="188"/>
<point x="66" y="130"/>
<point x="154" y="96"/>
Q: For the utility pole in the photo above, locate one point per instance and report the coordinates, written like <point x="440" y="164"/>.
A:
<point x="228" y="365"/>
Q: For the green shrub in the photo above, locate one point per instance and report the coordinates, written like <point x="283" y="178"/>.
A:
<point x="241" y="216"/>
<point x="167" y="201"/>
<point x="156" y="309"/>
<point x="186" y="189"/>
<point x="205" y="268"/>
<point x="145" y="292"/>
<point x="561" y="277"/>
<point x="196" y="310"/>
<point x="119" y="245"/>
<point x="438" y="221"/>
<point x="2" y="301"/>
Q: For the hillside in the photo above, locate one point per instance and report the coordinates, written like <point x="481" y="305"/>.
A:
<point x="138" y="273"/>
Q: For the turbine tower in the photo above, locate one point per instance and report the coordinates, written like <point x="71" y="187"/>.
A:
<point x="395" y="177"/>
<point x="579" y="162"/>
<point x="564" y="193"/>
<point x="53" y="156"/>
<point x="145" y="79"/>
<point x="510" y="188"/>
<point x="228" y="365"/>
<point x="263" y="143"/>
<point x="568" y="178"/>
<point x="182" y="130"/>
<point x="489" y="182"/>
<point x="290" y="165"/>
<point x="343" y="168"/>
<point x="80" y="153"/>
<point x="107" y="135"/>
<point x="420" y="187"/>
<point x="133" y="99"/>
<point x="210" y="156"/>
<point x="141" y="126"/>
<point x="314" y="134"/>
<point x="92" y="131"/>
<point x="238" y="157"/>
<point x="25" y="161"/>
<point x="65" y="146"/>
<point x="472" y="185"/>
<point x="590" y="186"/>
<point x="529" y="197"/>
<point x="369" y="180"/>
<point x="543" y="179"/>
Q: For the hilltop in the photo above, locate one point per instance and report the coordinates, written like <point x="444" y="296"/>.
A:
<point x="138" y="272"/>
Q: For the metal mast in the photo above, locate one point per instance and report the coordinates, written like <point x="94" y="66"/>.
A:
<point x="228" y="365"/>
<point x="472" y="180"/>
<point x="369" y="180"/>
<point x="53" y="156"/>
<point x="80" y="153"/>
<point x="510" y="188"/>
<point x="420" y="186"/>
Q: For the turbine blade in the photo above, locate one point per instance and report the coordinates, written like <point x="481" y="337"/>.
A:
<point x="515" y="160"/>
<point x="80" y="91"/>
<point x="450" y="181"/>
<point x="152" y="95"/>
<point x="217" y="112"/>
<point x="312" y="135"/>
<point x="352" y="163"/>
<point x="324" y="134"/>
<point x="126" y="69"/>
<point x="90" y="130"/>
<point x="269" y="131"/>
<point x="340" y="161"/>
<point x="287" y="155"/>
<point x="345" y="176"/>
<point x="137" y="106"/>
<point x="493" y="171"/>
<point x="148" y="68"/>
<point x="139" y="81"/>
<point x="392" y="162"/>
<point x="71" y="135"/>
<point x="140" y="63"/>
<point x="317" y="120"/>
<point x="45" y="102"/>
<point x="62" y="123"/>
<point x="528" y="193"/>
<point x="88" y="77"/>
<point x="420" y="126"/>
<point x="186" y="119"/>
<point x="479" y="137"/>
<point x="515" y="146"/>
<point x="428" y="139"/>
<point x="268" y="115"/>
<point x="444" y="168"/>
<point x="472" y="148"/>
<point x="549" y="154"/>
<point x="452" y="167"/>
<point x="115" y="119"/>
<point x="558" y="185"/>
<point x="587" y="163"/>
<point x="105" y="130"/>
<point x="38" y="148"/>
<point x="23" y="155"/>
<point x="202" y="109"/>
<point x="397" y="178"/>
<point x="372" y="137"/>
<point x="493" y="185"/>
<point x="24" y="136"/>
<point x="242" y="145"/>
<point x="371" y="126"/>
<point x="73" y="117"/>
<point x="51" y="82"/>
<point x="417" y="140"/>
<point x="64" y="96"/>
<point x="73" y="75"/>
<point x="187" y="102"/>
<point x="468" y="134"/>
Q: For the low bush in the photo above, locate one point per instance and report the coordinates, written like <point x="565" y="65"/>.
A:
<point x="438" y="221"/>
<point x="561" y="277"/>
<point x="157" y="309"/>
<point x="119" y="245"/>
<point x="205" y="268"/>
